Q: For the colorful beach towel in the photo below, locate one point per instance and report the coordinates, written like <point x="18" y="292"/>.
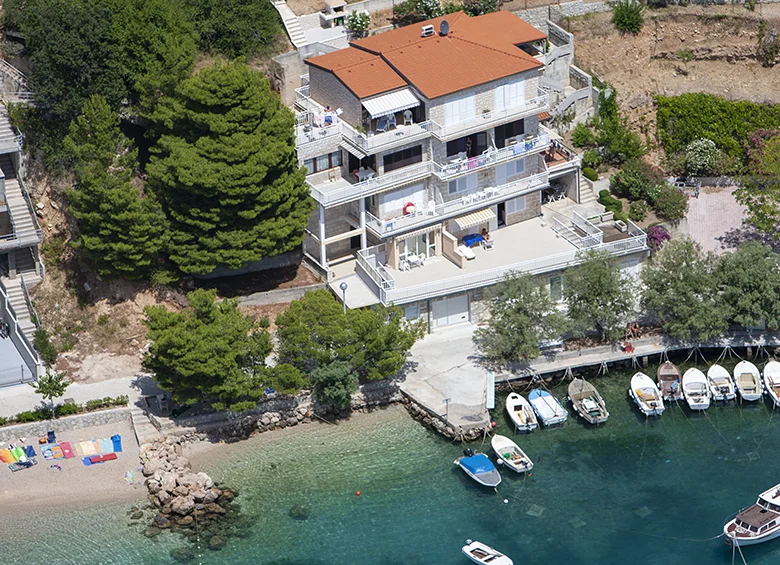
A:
<point x="117" y="441"/>
<point x="87" y="448"/>
<point x="22" y="465"/>
<point x="5" y="456"/>
<point x="102" y="458"/>
<point x="67" y="450"/>
<point x="18" y="453"/>
<point x="29" y="451"/>
<point x="48" y="451"/>
<point x="106" y="446"/>
<point x="96" y="444"/>
<point x="86" y="461"/>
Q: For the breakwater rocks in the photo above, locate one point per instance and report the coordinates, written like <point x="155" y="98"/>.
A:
<point x="185" y="502"/>
<point x="422" y="415"/>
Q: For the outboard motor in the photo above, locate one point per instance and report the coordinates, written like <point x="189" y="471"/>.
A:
<point x="468" y="452"/>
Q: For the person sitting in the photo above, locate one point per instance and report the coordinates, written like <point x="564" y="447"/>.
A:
<point x="485" y="234"/>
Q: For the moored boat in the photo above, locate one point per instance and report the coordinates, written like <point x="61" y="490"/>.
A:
<point x="587" y="401"/>
<point x="521" y="413"/>
<point x="548" y="409"/>
<point x="695" y="389"/>
<point x="510" y="455"/>
<point x="720" y="383"/>
<point x="669" y="381"/>
<point x="646" y="395"/>
<point x="479" y="467"/>
<point x="748" y="381"/>
<point x="772" y="381"/>
<point x="478" y="552"/>
<point x="757" y="523"/>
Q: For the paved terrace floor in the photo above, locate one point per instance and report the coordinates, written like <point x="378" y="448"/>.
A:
<point x="11" y="363"/>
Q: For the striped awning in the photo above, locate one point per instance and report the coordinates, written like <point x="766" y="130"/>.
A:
<point x="474" y="219"/>
<point x="544" y="116"/>
<point x="391" y="103"/>
<point x="415" y="233"/>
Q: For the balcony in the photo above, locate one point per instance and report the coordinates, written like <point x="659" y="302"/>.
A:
<point x="458" y="206"/>
<point x="374" y="142"/>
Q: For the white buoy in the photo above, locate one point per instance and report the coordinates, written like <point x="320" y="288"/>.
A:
<point x="506" y="501"/>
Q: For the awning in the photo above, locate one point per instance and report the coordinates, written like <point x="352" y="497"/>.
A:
<point x="415" y="233"/>
<point x="391" y="103"/>
<point x="544" y="116"/>
<point x="474" y="219"/>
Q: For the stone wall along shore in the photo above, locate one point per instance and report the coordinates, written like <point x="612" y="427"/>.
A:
<point x="436" y="424"/>
<point x="64" y="424"/>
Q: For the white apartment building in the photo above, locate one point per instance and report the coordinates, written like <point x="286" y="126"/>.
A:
<point x="431" y="171"/>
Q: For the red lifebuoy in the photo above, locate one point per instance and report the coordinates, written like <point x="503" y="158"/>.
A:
<point x="407" y="207"/>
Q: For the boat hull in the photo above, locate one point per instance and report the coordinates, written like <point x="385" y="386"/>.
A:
<point x="502" y="445"/>
<point x="489" y="479"/>
<point x="753" y="540"/>
<point x="644" y="408"/>
<point x="516" y="400"/>
<point x="749" y="396"/>
<point x="541" y="404"/>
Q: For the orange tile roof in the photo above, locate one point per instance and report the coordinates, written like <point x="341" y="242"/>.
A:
<point x="475" y="51"/>
<point x="544" y="116"/>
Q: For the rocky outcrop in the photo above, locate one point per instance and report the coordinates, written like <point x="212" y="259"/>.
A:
<point x="422" y="415"/>
<point x="185" y="501"/>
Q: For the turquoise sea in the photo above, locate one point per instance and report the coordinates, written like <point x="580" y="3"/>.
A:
<point x="633" y="491"/>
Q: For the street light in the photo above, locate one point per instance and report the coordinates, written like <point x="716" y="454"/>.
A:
<point x="343" y="287"/>
<point x="447" y="411"/>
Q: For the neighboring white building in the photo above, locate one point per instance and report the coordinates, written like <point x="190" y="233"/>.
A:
<point x="418" y="139"/>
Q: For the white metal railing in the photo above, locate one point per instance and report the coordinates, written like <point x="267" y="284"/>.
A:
<point x="472" y="201"/>
<point x="347" y="191"/>
<point x="586" y="226"/>
<point x="377" y="141"/>
<point x="491" y="276"/>
<point x="566" y="232"/>
<point x="305" y="134"/>
<point x="367" y="259"/>
<point x="491" y="158"/>
<point x="23" y="346"/>
<point x="33" y="312"/>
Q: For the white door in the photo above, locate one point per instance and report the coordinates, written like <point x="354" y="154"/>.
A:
<point x="459" y="110"/>
<point x="452" y="310"/>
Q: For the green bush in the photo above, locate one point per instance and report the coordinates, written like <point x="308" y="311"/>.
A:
<point x="619" y="143"/>
<point x="4" y="421"/>
<point x="628" y="15"/>
<point x="93" y="404"/>
<point x="264" y="322"/>
<point x="636" y="180"/>
<point x="67" y="409"/>
<point x="103" y="319"/>
<point x="479" y="7"/>
<point x="358" y="22"/>
<point x="121" y="400"/>
<point x="590" y="174"/>
<point x="591" y="158"/>
<point x="671" y="204"/>
<point x="32" y="416"/>
<point x="637" y="211"/>
<point x="44" y="346"/>
<point x="583" y="136"/>
<point x="701" y="157"/>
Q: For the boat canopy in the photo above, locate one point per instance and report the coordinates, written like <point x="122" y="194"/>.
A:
<point x="477" y="464"/>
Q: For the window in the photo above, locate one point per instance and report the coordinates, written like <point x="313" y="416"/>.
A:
<point x="459" y="110"/>
<point x="463" y="184"/>
<point x="506" y="170"/>
<point x="515" y="205"/>
<point x="478" y="144"/>
<point x="412" y="312"/>
<point x="556" y="288"/>
<point x="510" y="94"/>
<point x="404" y="158"/>
<point x="506" y="131"/>
<point x="323" y="162"/>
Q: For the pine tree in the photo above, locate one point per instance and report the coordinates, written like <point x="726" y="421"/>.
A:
<point x="120" y="230"/>
<point x="226" y="172"/>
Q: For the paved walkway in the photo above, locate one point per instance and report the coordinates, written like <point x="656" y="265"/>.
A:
<point x="443" y="367"/>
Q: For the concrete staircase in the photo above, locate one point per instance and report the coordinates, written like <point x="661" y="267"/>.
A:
<point x="16" y="297"/>
<point x="145" y="432"/>
<point x="586" y="194"/>
<point x="27" y="233"/>
<point x="291" y="23"/>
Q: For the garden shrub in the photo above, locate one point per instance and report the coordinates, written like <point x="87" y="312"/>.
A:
<point x="768" y="47"/>
<point x="44" y="346"/>
<point x="637" y="211"/>
<point x="121" y="400"/>
<point x="591" y="158"/>
<point x="619" y="143"/>
<point x="628" y="15"/>
<point x="763" y="150"/>
<point x="656" y="237"/>
<point x="479" y="7"/>
<point x="67" y="409"/>
<point x="671" y="204"/>
<point x="590" y="174"/>
<point x="3" y="420"/>
<point x="701" y="157"/>
<point x="357" y="23"/>
<point x="612" y="204"/>
<point x="413" y="11"/>
<point x="93" y="404"/>
<point x="636" y="180"/>
<point x="583" y="136"/>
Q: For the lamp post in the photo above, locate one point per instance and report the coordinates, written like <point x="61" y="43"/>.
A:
<point x="447" y="411"/>
<point x="343" y="287"/>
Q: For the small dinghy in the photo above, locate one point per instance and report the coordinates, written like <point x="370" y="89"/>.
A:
<point x="695" y="390"/>
<point x="587" y="402"/>
<point x="479" y="467"/>
<point x="510" y="455"/>
<point x="549" y="410"/>
<point x="521" y="413"/>
<point x="748" y="381"/>
<point x="646" y="395"/>
<point x="478" y="552"/>
<point x="721" y="384"/>
<point x="772" y="381"/>
<point x="669" y="381"/>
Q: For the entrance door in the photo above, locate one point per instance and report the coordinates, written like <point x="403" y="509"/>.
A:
<point x="501" y="213"/>
<point x="451" y="310"/>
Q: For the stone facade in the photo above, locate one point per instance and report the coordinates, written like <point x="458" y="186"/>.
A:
<point x="66" y="423"/>
<point x="329" y="90"/>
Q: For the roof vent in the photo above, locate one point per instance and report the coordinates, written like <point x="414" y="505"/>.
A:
<point x="427" y="31"/>
<point x="444" y="27"/>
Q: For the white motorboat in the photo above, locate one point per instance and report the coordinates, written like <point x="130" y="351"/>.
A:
<point x="478" y="552"/>
<point x="669" y="381"/>
<point x="772" y="380"/>
<point x="721" y="383"/>
<point x="510" y="455"/>
<point x="748" y="381"/>
<point x="521" y="413"/>
<point x="587" y="402"/>
<point x="479" y="467"/>
<point x="646" y="395"/>
<point x="695" y="390"/>
<point x="757" y="523"/>
<point x="549" y="410"/>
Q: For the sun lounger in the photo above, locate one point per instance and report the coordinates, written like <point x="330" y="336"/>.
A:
<point x="466" y="252"/>
<point x="67" y="450"/>
<point x="106" y="446"/>
<point x="117" y="441"/>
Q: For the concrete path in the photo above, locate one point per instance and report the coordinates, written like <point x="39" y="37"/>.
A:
<point x="291" y="23"/>
<point x="443" y="367"/>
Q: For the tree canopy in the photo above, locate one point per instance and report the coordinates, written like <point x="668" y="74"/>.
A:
<point x="226" y="172"/>
<point x="521" y="315"/>
<point x="750" y="279"/>
<point x="599" y="296"/>
<point x="681" y="289"/>
<point x="211" y="351"/>
<point x="50" y="386"/>
<point x="120" y="231"/>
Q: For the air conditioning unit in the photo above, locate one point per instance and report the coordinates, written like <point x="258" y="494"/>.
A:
<point x="427" y="31"/>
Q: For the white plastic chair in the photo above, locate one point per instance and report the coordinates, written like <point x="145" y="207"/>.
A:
<point x="408" y="118"/>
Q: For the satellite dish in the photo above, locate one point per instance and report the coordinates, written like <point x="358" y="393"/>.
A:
<point x="445" y="27"/>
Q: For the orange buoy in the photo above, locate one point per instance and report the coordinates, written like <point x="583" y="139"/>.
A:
<point x="357" y="493"/>
<point x="493" y="424"/>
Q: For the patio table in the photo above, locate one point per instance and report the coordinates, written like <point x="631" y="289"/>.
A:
<point x="472" y="239"/>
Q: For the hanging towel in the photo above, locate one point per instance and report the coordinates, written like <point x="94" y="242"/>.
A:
<point x="117" y="441"/>
<point x="473" y="162"/>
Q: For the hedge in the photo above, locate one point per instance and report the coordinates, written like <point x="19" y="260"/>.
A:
<point x="590" y="174"/>
<point x="67" y="409"/>
<point x="685" y="118"/>
<point x="612" y="204"/>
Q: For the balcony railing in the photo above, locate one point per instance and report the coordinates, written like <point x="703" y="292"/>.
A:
<point x="491" y="276"/>
<point x="371" y="143"/>
<point x="369" y="260"/>
<point x="305" y="134"/>
<point x="439" y="212"/>
<point x="491" y="158"/>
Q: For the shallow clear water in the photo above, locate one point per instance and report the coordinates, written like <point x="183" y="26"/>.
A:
<point x="631" y="491"/>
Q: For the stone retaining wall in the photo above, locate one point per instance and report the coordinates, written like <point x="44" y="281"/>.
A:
<point x="76" y="422"/>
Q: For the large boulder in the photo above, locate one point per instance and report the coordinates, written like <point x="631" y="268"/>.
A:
<point x="212" y="495"/>
<point x="181" y="491"/>
<point x="164" y="497"/>
<point x="153" y="486"/>
<point x="182" y="505"/>
<point x="214" y="508"/>
<point x="151" y="466"/>
<point x="205" y="481"/>
<point x="199" y="495"/>
<point x="188" y="480"/>
<point x="168" y="482"/>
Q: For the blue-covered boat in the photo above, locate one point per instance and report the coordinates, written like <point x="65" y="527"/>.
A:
<point x="548" y="408"/>
<point x="479" y="467"/>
